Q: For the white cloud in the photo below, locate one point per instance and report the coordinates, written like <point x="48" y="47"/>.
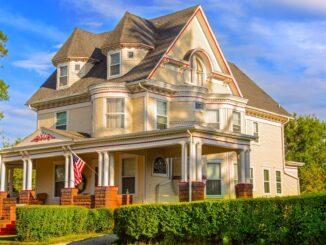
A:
<point x="316" y="6"/>
<point x="38" y="62"/>
<point x="34" y="26"/>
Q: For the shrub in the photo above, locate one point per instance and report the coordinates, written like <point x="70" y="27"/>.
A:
<point x="287" y="220"/>
<point x="38" y="223"/>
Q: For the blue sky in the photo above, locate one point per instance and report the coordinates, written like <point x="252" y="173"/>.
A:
<point x="281" y="44"/>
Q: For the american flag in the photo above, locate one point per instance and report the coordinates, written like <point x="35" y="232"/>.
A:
<point x="79" y="166"/>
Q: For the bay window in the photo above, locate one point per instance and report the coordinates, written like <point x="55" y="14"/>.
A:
<point x="115" y="113"/>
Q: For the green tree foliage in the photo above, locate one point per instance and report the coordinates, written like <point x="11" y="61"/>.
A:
<point x="3" y="86"/>
<point x="305" y="138"/>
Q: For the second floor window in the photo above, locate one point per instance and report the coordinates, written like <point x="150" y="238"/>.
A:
<point x="115" y="113"/>
<point x="63" y="78"/>
<point x="162" y="114"/>
<point x="278" y="182"/>
<point x="61" y="120"/>
<point x="255" y="125"/>
<point x="115" y="64"/>
<point x="266" y="181"/>
<point x="236" y="122"/>
<point x="213" y="118"/>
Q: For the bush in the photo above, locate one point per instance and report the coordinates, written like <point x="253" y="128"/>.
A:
<point x="38" y="223"/>
<point x="287" y="220"/>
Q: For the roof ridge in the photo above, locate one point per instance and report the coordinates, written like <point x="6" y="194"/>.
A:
<point x="176" y="12"/>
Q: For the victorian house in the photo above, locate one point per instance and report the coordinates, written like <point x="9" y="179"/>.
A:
<point x="158" y="114"/>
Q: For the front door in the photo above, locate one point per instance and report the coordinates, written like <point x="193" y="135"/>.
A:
<point x="128" y="175"/>
<point x="214" y="181"/>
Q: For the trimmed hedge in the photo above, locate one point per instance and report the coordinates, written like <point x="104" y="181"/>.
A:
<point x="287" y="220"/>
<point x="38" y="223"/>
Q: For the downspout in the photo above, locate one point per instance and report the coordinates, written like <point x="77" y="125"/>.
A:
<point x="145" y="107"/>
<point x="283" y="152"/>
<point x="190" y="167"/>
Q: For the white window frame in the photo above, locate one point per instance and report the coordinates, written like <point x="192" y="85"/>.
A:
<point x="252" y="178"/>
<point x="120" y="64"/>
<point x="254" y="132"/>
<point x="128" y="156"/>
<point x="116" y="113"/>
<point x="235" y="111"/>
<point x="269" y="181"/>
<point x="158" y="115"/>
<point x="56" y="163"/>
<point x="59" y="76"/>
<point x="199" y="102"/>
<point x="220" y="162"/>
<point x="278" y="182"/>
<point x="167" y="167"/>
<point x="216" y="125"/>
<point x="55" y="118"/>
<point x="235" y="170"/>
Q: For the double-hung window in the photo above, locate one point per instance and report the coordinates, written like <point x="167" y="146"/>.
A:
<point x="61" y="120"/>
<point x="161" y="114"/>
<point x="278" y="182"/>
<point x="213" y="118"/>
<point x="256" y="130"/>
<point x="115" y="113"/>
<point x="63" y="76"/>
<point x="115" y="64"/>
<point x="214" y="179"/>
<point x="236" y="122"/>
<point x="266" y="182"/>
<point x="252" y="176"/>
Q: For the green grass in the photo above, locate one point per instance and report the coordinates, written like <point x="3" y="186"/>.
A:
<point x="11" y="240"/>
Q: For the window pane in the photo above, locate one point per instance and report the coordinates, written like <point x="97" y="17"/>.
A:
<point x="59" y="178"/>
<point x="61" y="122"/>
<point x="128" y="167"/>
<point x="266" y="175"/>
<point x="63" y="71"/>
<point x="213" y="171"/>
<point x="130" y="55"/>
<point x="115" y="121"/>
<point x="235" y="172"/>
<point x="115" y="58"/>
<point x="114" y="70"/>
<point x="278" y="188"/>
<point x="266" y="187"/>
<point x="128" y="184"/>
<point x="199" y="106"/>
<point x="63" y="81"/>
<point x="213" y="187"/>
<point x="160" y="166"/>
<point x="278" y="176"/>
<point x="115" y="105"/>
<point x="161" y="108"/>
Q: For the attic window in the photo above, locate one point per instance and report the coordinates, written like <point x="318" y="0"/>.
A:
<point x="130" y="55"/>
<point x="77" y="67"/>
<point x="63" y="76"/>
<point x="115" y="63"/>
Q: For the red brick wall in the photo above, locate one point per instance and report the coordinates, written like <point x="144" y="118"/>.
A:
<point x="243" y="190"/>
<point x="197" y="191"/>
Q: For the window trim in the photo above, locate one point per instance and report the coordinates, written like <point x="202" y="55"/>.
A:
<point x="269" y="181"/>
<point x="280" y="182"/>
<point x="127" y="156"/>
<point x="59" y="76"/>
<point x="220" y="162"/>
<point x="157" y="115"/>
<point x="167" y="167"/>
<point x="236" y="111"/>
<point x="120" y="64"/>
<point x="67" y="119"/>
<point x="116" y="113"/>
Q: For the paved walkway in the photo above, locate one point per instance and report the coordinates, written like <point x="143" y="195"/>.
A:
<point x="101" y="240"/>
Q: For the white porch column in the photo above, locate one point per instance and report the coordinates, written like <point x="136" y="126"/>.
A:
<point x="247" y="166"/>
<point x="29" y="176"/>
<point x="66" y="171"/>
<point x="3" y="175"/>
<point x="184" y="162"/>
<point x="100" y="169"/>
<point x="106" y="169"/>
<point x="192" y="167"/>
<point x="241" y="166"/>
<point x="199" y="167"/>
<point x="24" y="173"/>
<point x="111" y="159"/>
<point x="71" y="173"/>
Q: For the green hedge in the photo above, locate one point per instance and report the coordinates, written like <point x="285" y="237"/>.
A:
<point x="288" y="220"/>
<point x="38" y="223"/>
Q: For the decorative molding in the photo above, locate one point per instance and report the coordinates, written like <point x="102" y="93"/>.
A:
<point x="43" y="137"/>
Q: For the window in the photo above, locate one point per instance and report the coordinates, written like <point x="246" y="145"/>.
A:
<point x="160" y="167"/>
<point x="59" y="179"/>
<point x="278" y="182"/>
<point x="214" y="182"/>
<point x="235" y="174"/>
<point x="161" y="111"/>
<point x="255" y="125"/>
<point x="130" y="55"/>
<point x="115" y="109"/>
<point x="213" y="118"/>
<point x="115" y="64"/>
<point x="77" y="67"/>
<point x="197" y="71"/>
<point x="266" y="181"/>
<point x="236" y="122"/>
<point x="61" y="120"/>
<point x="63" y="76"/>
<point x="199" y="106"/>
<point x="128" y="176"/>
<point x="252" y="176"/>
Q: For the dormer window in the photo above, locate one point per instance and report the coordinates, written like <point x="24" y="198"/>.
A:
<point x="63" y="76"/>
<point x="115" y="64"/>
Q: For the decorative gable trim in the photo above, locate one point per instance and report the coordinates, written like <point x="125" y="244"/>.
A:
<point x="43" y="136"/>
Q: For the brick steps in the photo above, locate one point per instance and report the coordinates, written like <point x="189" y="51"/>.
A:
<point x="7" y="228"/>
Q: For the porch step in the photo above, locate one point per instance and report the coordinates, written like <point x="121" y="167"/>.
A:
<point x="7" y="227"/>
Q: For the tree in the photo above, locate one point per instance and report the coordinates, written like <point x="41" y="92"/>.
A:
<point x="3" y="86"/>
<point x="305" y="138"/>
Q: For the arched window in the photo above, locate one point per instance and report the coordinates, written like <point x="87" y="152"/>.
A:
<point x="197" y="71"/>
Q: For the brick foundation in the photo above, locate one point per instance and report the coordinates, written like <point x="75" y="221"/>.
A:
<point x="26" y="196"/>
<point x="197" y="191"/>
<point x="7" y="207"/>
<point x="87" y="201"/>
<point x="107" y="197"/>
<point x="243" y="190"/>
<point x="67" y="196"/>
